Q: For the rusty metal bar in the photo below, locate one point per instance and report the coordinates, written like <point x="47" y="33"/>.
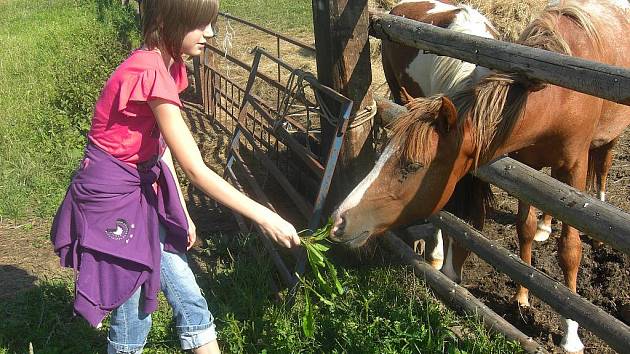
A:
<point x="243" y="65"/>
<point x="293" y="41"/>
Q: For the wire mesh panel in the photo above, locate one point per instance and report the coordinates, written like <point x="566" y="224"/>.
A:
<point x="275" y="153"/>
<point x="226" y="66"/>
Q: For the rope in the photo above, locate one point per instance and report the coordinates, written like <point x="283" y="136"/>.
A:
<point x="227" y="46"/>
<point x="367" y="114"/>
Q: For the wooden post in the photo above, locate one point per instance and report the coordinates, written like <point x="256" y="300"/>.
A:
<point x="343" y="63"/>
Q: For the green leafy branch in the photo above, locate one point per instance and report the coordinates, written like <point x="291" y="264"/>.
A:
<point x="327" y="285"/>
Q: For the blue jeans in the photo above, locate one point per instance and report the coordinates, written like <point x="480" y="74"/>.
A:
<point x="129" y="325"/>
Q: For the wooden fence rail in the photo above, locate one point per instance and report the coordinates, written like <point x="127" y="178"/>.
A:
<point x="559" y="297"/>
<point x="457" y="297"/>
<point x="596" y="218"/>
<point x="596" y="79"/>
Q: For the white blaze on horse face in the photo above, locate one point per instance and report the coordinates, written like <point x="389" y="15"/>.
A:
<point x="571" y="340"/>
<point x="357" y="193"/>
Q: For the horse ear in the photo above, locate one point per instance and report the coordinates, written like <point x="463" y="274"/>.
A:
<point x="447" y="115"/>
<point x="406" y="97"/>
<point x="388" y="111"/>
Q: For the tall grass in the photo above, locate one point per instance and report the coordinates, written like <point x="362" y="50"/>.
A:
<point x="280" y="15"/>
<point x="55" y="58"/>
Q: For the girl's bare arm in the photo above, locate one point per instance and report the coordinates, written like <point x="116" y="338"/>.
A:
<point x="185" y="150"/>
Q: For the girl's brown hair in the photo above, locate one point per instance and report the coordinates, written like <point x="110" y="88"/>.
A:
<point x="166" y="22"/>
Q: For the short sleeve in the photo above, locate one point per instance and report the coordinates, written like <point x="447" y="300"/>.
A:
<point x="139" y="88"/>
<point x="180" y="75"/>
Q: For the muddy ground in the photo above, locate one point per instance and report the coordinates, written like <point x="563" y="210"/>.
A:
<point x="603" y="277"/>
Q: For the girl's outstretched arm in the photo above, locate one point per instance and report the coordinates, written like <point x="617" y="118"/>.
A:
<point x="185" y="150"/>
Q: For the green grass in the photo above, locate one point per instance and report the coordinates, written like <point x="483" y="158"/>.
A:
<point x="55" y="58"/>
<point x="385" y="309"/>
<point x="279" y="15"/>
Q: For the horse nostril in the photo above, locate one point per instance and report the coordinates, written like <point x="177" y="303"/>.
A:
<point x="339" y="226"/>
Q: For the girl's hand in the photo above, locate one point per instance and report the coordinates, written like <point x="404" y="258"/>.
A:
<point x="278" y="229"/>
<point x="192" y="234"/>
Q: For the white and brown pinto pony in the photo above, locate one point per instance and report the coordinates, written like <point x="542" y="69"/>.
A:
<point x="411" y="72"/>
<point x="423" y="74"/>
<point x="439" y="140"/>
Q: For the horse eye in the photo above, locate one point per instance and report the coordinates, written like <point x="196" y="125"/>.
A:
<point x="413" y="167"/>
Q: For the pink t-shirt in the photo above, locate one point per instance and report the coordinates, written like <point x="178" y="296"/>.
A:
<point x="123" y="123"/>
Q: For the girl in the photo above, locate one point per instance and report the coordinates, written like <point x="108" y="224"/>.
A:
<point x="122" y="225"/>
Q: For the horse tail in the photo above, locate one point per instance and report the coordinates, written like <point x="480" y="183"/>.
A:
<point x="591" y="174"/>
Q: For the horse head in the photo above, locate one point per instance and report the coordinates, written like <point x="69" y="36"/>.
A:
<point x="414" y="176"/>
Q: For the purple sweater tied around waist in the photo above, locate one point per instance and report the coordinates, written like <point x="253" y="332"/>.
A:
<point x="107" y="229"/>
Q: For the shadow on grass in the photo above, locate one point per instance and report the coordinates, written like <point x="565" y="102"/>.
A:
<point x="14" y="279"/>
<point x="43" y="316"/>
<point x="124" y="19"/>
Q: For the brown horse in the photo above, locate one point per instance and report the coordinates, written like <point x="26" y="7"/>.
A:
<point x="411" y="72"/>
<point x="440" y="140"/>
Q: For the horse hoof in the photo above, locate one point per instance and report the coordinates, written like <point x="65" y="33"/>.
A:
<point x="598" y="245"/>
<point x="569" y="350"/>
<point x="571" y="342"/>
<point x="542" y="232"/>
<point x="541" y="236"/>
<point x="436" y="263"/>
<point x="522" y="300"/>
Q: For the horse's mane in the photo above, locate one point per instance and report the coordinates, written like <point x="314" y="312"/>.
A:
<point x="543" y="32"/>
<point x="498" y="101"/>
<point x="412" y="130"/>
<point x="494" y="104"/>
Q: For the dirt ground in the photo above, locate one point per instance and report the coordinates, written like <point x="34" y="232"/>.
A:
<point x="602" y="278"/>
<point x="26" y="256"/>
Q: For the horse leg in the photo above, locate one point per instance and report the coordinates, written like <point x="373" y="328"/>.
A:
<point x="543" y="228"/>
<point x="434" y="250"/>
<point x="525" y="228"/>
<point x="456" y="255"/>
<point x="570" y="255"/>
<point x="390" y="77"/>
<point x="601" y="160"/>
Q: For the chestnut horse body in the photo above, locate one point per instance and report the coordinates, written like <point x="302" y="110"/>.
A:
<point x="439" y="140"/>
